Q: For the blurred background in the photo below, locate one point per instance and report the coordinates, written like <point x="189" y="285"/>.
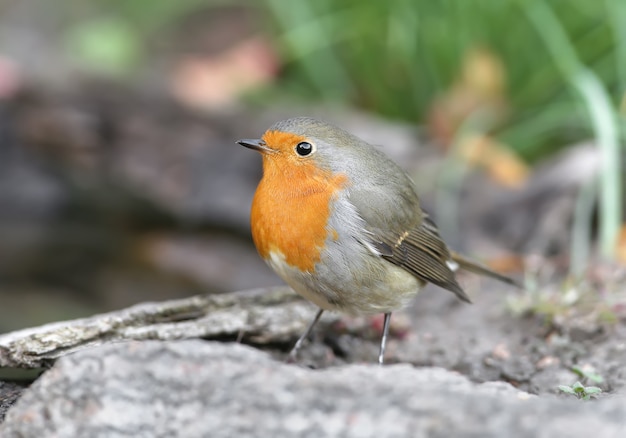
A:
<point x="120" y="179"/>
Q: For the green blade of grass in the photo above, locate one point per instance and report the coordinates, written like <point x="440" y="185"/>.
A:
<point x="617" y="13"/>
<point x="595" y="97"/>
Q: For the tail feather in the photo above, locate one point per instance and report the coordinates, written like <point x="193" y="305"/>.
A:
<point x="477" y="268"/>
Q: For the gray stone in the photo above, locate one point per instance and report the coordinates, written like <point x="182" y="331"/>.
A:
<point x="198" y="388"/>
<point x="9" y="393"/>
<point x="259" y="315"/>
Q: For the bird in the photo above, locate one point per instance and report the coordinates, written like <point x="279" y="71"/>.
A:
<point x="342" y="225"/>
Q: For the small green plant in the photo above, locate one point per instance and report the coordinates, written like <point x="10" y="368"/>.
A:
<point x="581" y="391"/>
<point x="587" y="374"/>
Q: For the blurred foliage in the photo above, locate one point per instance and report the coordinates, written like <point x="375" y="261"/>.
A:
<point x="145" y="16"/>
<point x="396" y="58"/>
<point x="110" y="36"/>
<point x="106" y="46"/>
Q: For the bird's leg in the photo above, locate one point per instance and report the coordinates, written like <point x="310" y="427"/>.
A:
<point x="294" y="351"/>
<point x="383" y="341"/>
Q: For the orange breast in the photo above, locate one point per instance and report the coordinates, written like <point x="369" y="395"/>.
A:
<point x="290" y="210"/>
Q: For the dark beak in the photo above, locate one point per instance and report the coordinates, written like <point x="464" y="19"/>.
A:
<point x="256" y="144"/>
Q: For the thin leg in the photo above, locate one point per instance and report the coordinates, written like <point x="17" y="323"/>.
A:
<point x="383" y="341"/>
<point x="294" y="351"/>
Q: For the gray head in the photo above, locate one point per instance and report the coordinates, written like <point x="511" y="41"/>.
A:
<point x="302" y="141"/>
<point x="331" y="147"/>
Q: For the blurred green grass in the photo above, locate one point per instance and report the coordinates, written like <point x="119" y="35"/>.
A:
<point x="395" y="58"/>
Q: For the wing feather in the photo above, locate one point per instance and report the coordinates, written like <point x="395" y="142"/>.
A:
<point x="422" y="252"/>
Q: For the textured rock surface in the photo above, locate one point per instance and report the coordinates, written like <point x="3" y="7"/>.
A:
<point x="260" y="315"/>
<point x="9" y="393"/>
<point x="197" y="388"/>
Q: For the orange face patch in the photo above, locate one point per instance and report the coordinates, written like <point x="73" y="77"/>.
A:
<point x="282" y="141"/>
<point x="292" y="203"/>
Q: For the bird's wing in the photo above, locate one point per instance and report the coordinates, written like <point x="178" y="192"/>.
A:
<point x="421" y="251"/>
<point x="398" y="229"/>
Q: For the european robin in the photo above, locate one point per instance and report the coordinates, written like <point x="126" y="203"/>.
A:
<point x="341" y="223"/>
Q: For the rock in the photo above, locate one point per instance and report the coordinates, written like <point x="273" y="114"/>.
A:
<point x="9" y="393"/>
<point x="270" y="315"/>
<point x="198" y="388"/>
<point x="518" y="369"/>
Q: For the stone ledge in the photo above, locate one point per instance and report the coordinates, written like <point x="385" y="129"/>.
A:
<point x="198" y="388"/>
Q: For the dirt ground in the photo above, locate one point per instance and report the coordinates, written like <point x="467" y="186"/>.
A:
<point x="483" y="341"/>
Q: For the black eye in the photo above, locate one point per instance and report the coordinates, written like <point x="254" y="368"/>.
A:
<point x="303" y="149"/>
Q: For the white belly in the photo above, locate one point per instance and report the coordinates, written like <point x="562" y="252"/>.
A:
<point x="373" y="286"/>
